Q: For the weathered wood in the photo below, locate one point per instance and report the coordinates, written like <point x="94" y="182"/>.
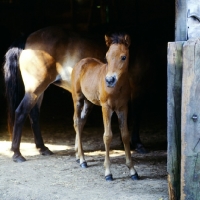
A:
<point x="180" y="21"/>
<point x="174" y="74"/>
<point x="193" y="23"/>
<point x="190" y="124"/>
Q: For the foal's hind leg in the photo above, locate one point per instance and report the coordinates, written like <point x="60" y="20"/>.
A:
<point x="82" y="109"/>
<point x="122" y="118"/>
<point x="21" y="113"/>
<point x="34" y="120"/>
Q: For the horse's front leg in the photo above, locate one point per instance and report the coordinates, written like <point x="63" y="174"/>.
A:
<point x="107" y="138"/>
<point x="34" y="116"/>
<point x="122" y="118"/>
<point x="21" y="113"/>
<point x="82" y="109"/>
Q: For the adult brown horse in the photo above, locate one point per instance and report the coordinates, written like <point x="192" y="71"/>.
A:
<point x="108" y="86"/>
<point x="46" y="57"/>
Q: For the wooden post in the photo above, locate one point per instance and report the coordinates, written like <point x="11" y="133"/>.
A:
<point x="180" y="21"/>
<point x="174" y="78"/>
<point x="174" y="73"/>
<point x="190" y="125"/>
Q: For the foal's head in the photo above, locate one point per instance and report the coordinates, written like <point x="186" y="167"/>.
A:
<point x="117" y="57"/>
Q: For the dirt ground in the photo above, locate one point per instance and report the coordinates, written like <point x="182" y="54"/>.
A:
<point x="60" y="177"/>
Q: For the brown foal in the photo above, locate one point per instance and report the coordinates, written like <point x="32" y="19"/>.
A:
<point x="106" y="85"/>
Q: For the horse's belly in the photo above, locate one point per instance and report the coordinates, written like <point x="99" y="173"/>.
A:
<point x="64" y="77"/>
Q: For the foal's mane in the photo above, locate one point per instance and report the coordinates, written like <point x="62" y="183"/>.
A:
<point x="118" y="38"/>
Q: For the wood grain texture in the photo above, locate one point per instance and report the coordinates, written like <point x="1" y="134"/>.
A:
<point x="180" y="20"/>
<point x="190" y="126"/>
<point x="174" y="118"/>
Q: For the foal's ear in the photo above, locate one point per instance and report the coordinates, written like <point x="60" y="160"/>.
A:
<point x="108" y="40"/>
<point x="127" y="40"/>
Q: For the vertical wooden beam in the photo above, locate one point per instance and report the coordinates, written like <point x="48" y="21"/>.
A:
<point x="180" y="20"/>
<point x="174" y="78"/>
<point x="174" y="94"/>
<point x="190" y="125"/>
<point x="174" y="98"/>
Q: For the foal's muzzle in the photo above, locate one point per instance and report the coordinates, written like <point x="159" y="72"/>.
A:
<point x="111" y="81"/>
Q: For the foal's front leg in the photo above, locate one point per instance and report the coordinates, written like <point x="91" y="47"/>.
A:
<point x="107" y="138"/>
<point x="122" y="118"/>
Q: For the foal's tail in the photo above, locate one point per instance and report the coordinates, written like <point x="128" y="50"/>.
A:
<point x="13" y="81"/>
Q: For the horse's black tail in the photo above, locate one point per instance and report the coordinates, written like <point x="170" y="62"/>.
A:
<point x="13" y="81"/>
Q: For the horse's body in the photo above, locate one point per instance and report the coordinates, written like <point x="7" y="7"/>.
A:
<point x="66" y="48"/>
<point x="47" y="57"/>
<point x="106" y="85"/>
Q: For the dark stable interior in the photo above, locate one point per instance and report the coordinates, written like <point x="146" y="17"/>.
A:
<point x="149" y="23"/>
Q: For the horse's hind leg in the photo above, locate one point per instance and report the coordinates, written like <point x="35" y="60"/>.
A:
<point x="82" y="108"/>
<point x="21" y="113"/>
<point x="136" y="143"/>
<point x="38" y="70"/>
<point x="34" y="116"/>
<point x="122" y="118"/>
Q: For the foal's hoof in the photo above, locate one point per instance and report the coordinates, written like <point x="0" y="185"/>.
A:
<point x="135" y="177"/>
<point x="84" y="165"/>
<point x="18" y="158"/>
<point x="45" y="152"/>
<point x="109" y="177"/>
<point x="78" y="161"/>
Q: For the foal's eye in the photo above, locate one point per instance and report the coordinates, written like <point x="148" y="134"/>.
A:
<point x="123" y="58"/>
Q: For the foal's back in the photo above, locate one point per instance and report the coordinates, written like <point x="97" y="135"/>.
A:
<point x="87" y="79"/>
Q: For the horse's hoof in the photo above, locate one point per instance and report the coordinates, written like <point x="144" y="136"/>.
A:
<point x="141" y="149"/>
<point x="84" y="165"/>
<point x="18" y="158"/>
<point x="109" y="177"/>
<point x="45" y="152"/>
<point x="135" y="177"/>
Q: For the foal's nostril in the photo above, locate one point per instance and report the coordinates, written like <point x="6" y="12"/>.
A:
<point x="110" y="81"/>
